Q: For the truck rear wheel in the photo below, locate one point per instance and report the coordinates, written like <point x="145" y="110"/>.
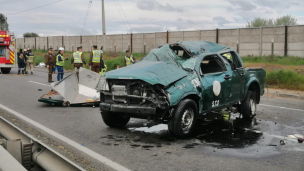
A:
<point x="5" y="70"/>
<point x="113" y="119"/>
<point x="249" y="105"/>
<point x="183" y="122"/>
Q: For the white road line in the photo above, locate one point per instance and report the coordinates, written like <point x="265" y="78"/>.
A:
<point x="87" y="151"/>
<point x="282" y="107"/>
<point x="38" y="83"/>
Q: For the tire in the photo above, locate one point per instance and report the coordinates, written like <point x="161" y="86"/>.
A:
<point x="115" y="120"/>
<point x="249" y="105"/>
<point x="5" y="70"/>
<point x="183" y="122"/>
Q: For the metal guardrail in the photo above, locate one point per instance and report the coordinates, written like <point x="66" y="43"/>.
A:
<point x="22" y="150"/>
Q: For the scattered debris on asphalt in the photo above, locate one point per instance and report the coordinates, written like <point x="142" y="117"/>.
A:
<point x="283" y="142"/>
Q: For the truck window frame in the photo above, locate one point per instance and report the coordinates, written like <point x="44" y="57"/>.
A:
<point x="218" y="60"/>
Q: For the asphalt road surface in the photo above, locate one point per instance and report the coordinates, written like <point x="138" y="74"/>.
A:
<point x="217" y="145"/>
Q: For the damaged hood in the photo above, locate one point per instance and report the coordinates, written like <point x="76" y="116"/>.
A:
<point x="153" y="72"/>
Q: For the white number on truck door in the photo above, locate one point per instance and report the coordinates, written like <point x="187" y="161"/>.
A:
<point x="215" y="103"/>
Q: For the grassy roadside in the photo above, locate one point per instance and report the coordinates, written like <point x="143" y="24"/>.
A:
<point x="282" y="72"/>
<point x="278" y="60"/>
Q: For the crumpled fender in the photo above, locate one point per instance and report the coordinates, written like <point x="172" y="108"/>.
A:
<point x="189" y="85"/>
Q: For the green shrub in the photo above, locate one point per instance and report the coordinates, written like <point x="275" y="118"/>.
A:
<point x="285" y="79"/>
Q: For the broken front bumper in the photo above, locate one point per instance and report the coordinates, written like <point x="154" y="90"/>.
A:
<point x="128" y="109"/>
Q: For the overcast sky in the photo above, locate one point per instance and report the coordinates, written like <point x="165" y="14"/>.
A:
<point x="66" y="17"/>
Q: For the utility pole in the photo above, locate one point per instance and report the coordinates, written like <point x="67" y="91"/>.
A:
<point x="103" y="24"/>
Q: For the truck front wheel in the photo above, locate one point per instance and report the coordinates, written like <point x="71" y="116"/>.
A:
<point x="249" y="105"/>
<point x="113" y="119"/>
<point x="183" y="122"/>
<point x="5" y="70"/>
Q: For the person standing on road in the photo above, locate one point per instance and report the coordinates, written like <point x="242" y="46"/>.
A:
<point x="25" y="54"/>
<point x="30" y="61"/>
<point x="96" y="61"/>
<point x="78" y="58"/>
<point x="21" y="62"/>
<point x="60" y="63"/>
<point x="50" y="61"/>
<point x="129" y="59"/>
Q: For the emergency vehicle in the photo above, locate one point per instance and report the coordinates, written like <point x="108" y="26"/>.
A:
<point x="7" y="52"/>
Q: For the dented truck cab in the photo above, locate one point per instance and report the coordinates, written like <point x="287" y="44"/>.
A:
<point x="179" y="83"/>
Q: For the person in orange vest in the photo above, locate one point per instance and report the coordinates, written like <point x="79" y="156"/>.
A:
<point x="129" y="59"/>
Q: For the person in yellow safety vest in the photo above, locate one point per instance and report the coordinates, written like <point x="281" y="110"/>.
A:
<point x="96" y="62"/>
<point x="30" y="61"/>
<point x="228" y="56"/>
<point x="78" y="58"/>
<point x="60" y="63"/>
<point x="129" y="59"/>
<point x="103" y="70"/>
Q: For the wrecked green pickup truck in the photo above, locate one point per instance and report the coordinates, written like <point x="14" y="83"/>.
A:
<point x="179" y="83"/>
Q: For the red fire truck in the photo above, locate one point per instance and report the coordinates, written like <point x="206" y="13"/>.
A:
<point x="7" y="52"/>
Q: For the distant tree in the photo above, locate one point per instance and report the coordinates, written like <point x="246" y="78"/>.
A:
<point x="286" y="20"/>
<point x="281" y="21"/>
<point x="3" y="23"/>
<point x="30" y="35"/>
<point x="260" y="22"/>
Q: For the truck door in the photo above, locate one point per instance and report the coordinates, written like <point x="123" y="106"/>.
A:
<point x="216" y="88"/>
<point x="237" y="79"/>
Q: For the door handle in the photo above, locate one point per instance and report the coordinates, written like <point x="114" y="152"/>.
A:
<point x="243" y="74"/>
<point x="227" y="77"/>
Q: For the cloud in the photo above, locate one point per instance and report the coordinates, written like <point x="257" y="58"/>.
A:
<point x="155" y="5"/>
<point x="220" y="21"/>
<point x="243" y="5"/>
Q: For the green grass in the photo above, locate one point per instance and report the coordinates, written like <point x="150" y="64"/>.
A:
<point x="279" y="60"/>
<point x="285" y="79"/>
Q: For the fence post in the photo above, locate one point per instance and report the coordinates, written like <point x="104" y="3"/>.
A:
<point x="144" y="47"/>
<point x="217" y="36"/>
<point x="286" y="41"/>
<point x="272" y="49"/>
<point x="131" y="42"/>
<point x="237" y="47"/>
<point x="154" y="39"/>
<point x="167" y="37"/>
<point x="261" y="48"/>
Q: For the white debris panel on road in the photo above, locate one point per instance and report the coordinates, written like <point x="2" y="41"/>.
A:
<point x="79" y="91"/>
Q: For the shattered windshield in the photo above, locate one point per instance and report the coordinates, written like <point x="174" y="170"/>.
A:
<point x="166" y="54"/>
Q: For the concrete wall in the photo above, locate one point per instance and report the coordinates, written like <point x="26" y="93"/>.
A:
<point x="248" y="41"/>
<point x="275" y="34"/>
<point x="296" y="41"/>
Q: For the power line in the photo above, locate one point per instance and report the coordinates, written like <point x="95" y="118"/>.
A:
<point x="86" y="17"/>
<point x="121" y="16"/>
<point x="35" y="8"/>
<point x="124" y="16"/>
